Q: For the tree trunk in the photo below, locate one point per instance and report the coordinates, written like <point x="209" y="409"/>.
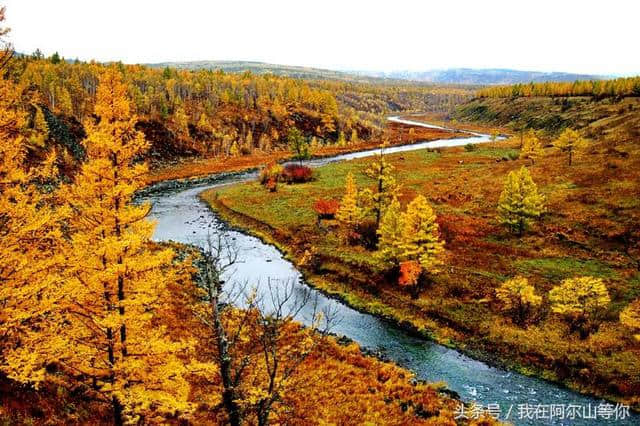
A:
<point x="228" y="393"/>
<point x="117" y="411"/>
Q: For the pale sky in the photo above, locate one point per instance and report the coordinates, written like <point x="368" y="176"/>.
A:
<point x="585" y="36"/>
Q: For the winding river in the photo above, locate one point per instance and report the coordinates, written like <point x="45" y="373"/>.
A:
<point x="182" y="217"/>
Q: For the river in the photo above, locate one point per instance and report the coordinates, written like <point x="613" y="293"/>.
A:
<point x="181" y="216"/>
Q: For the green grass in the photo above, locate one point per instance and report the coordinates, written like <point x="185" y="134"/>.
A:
<point x="559" y="268"/>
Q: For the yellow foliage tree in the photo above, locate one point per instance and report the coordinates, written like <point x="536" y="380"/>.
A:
<point x="354" y="137"/>
<point x="40" y="128"/>
<point x="181" y="122"/>
<point x="101" y="329"/>
<point x="518" y="298"/>
<point x="531" y="147"/>
<point x="630" y="317"/>
<point x="420" y="236"/>
<point x="520" y="201"/>
<point x="349" y="214"/>
<point x="31" y="244"/>
<point x="204" y="124"/>
<point x="580" y="300"/>
<point x="569" y="141"/>
<point x="385" y="188"/>
<point x="390" y="234"/>
<point x="234" y="151"/>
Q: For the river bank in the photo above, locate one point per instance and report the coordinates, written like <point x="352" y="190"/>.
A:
<point x="586" y="369"/>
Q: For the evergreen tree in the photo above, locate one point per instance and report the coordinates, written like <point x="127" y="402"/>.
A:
<point x="298" y="144"/>
<point x="55" y="58"/>
<point x="520" y="201"/>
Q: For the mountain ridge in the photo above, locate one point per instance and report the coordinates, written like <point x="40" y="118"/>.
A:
<point x="459" y="76"/>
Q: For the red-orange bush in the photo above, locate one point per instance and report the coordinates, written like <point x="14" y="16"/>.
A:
<point x="297" y="173"/>
<point x="409" y="273"/>
<point x="326" y="209"/>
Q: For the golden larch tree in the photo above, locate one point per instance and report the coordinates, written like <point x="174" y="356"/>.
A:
<point x="390" y="235"/>
<point x="520" y="201"/>
<point x="518" y="298"/>
<point x="531" y="147"/>
<point x="103" y="330"/>
<point x="630" y="317"/>
<point x="385" y="184"/>
<point x="569" y="141"/>
<point x="32" y="248"/>
<point x="420" y="236"/>
<point x="580" y="300"/>
<point x="349" y="214"/>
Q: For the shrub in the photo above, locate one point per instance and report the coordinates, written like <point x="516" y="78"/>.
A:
<point x="271" y="171"/>
<point x="326" y="209"/>
<point x="470" y="147"/>
<point x="518" y="299"/>
<point x="297" y="173"/>
<point x="272" y="184"/>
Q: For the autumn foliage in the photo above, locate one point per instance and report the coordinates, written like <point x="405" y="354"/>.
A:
<point x="326" y="209"/>
<point x="520" y="203"/>
<point x="297" y="173"/>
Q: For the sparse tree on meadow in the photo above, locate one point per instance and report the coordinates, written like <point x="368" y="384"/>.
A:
<point x="421" y="237"/>
<point x="386" y="187"/>
<point x="350" y="214"/>
<point x="580" y="300"/>
<point x="570" y="141"/>
<point x="531" y="147"/>
<point x="517" y="298"/>
<point x="520" y="203"/>
<point x="630" y="317"/>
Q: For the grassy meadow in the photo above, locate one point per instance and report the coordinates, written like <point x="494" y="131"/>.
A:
<point x="588" y="206"/>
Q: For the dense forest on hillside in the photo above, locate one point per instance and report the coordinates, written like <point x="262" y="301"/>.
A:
<point x="212" y="113"/>
<point x="619" y="87"/>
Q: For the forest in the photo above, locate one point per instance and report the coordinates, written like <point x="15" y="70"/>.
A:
<point x="189" y="245"/>
<point x="101" y="325"/>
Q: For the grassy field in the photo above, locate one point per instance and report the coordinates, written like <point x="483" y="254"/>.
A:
<point x="395" y="133"/>
<point x="589" y="205"/>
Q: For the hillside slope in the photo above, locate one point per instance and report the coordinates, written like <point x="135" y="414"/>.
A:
<point x="609" y="119"/>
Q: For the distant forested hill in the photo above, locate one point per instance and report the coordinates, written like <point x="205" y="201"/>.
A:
<point x="264" y="68"/>
<point x="465" y="76"/>
<point x="481" y="76"/>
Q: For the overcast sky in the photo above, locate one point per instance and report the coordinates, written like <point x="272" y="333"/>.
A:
<point x="547" y="35"/>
